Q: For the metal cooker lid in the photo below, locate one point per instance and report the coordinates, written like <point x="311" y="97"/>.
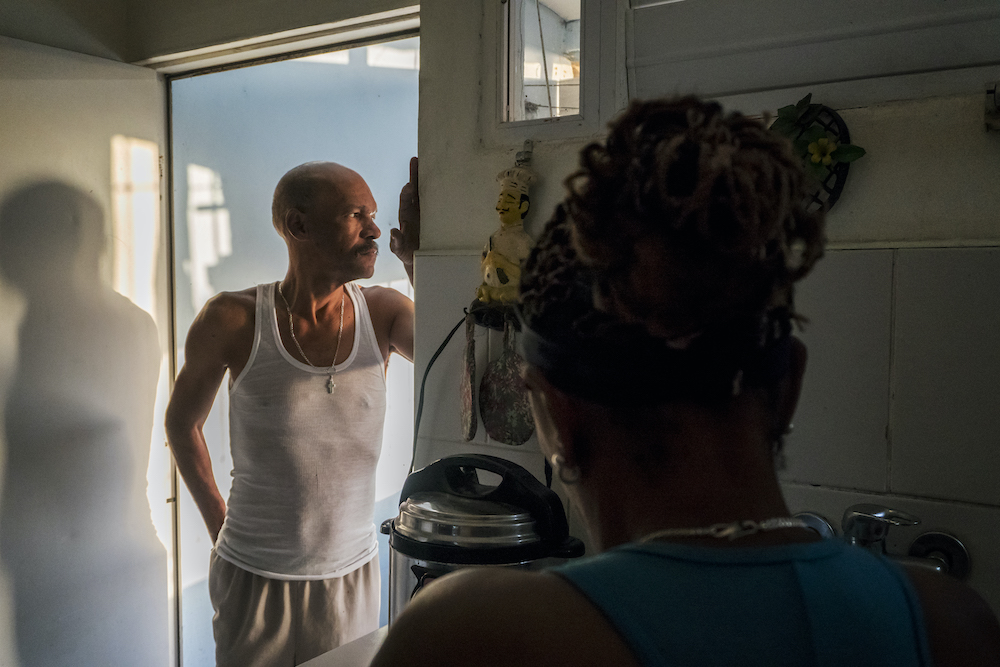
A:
<point x="442" y="518"/>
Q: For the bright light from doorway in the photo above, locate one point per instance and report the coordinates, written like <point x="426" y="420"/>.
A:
<point x="383" y="55"/>
<point x="333" y="58"/>
<point x="135" y="191"/>
<point x="210" y="236"/>
<point x="136" y="253"/>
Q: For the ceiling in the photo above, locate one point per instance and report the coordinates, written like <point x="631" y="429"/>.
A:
<point x="569" y="10"/>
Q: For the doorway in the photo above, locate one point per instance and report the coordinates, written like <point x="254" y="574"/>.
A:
<point x="234" y="134"/>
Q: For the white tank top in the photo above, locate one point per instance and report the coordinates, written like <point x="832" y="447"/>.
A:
<point x="304" y="460"/>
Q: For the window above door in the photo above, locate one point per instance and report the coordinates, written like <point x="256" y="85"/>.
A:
<point x="558" y="73"/>
<point x="543" y="59"/>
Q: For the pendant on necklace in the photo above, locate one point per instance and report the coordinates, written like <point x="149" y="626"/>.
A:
<point x="330" y="385"/>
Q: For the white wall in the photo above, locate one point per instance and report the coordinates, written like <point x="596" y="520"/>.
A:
<point x="725" y="47"/>
<point x="899" y="404"/>
<point x="87" y="573"/>
<point x="885" y="365"/>
<point x="94" y="27"/>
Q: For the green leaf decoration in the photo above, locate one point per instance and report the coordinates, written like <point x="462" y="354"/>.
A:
<point x="810" y="115"/>
<point x="847" y="153"/>
<point x="800" y="123"/>
<point x="789" y="113"/>
<point x="785" y="127"/>
<point x="813" y="133"/>
<point x="818" y="170"/>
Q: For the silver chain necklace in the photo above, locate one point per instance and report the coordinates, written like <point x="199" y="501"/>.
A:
<point x="731" y="531"/>
<point x="330" y="385"/>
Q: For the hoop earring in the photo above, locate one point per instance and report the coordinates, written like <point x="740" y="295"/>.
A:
<point x="567" y="474"/>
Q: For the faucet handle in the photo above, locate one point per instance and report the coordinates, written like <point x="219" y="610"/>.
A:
<point x="867" y="525"/>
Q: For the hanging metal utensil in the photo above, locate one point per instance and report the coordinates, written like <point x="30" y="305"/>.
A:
<point x="503" y="400"/>
<point x="468" y="385"/>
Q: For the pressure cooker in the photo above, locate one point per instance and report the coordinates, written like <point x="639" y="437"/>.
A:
<point x="449" y="519"/>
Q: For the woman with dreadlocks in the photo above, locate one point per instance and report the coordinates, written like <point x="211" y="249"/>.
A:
<point x="657" y="318"/>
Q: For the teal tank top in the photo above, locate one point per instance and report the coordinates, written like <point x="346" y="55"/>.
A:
<point x="817" y="604"/>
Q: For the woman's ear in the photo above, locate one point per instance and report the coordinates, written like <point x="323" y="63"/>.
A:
<point x="790" y="387"/>
<point x="555" y="415"/>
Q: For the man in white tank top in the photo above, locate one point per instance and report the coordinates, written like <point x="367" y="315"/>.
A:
<point x="294" y="571"/>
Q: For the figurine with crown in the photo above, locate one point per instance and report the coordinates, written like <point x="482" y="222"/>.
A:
<point x="509" y="246"/>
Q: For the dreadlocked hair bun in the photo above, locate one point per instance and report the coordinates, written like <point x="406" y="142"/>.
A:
<point x="687" y="218"/>
<point x="668" y="270"/>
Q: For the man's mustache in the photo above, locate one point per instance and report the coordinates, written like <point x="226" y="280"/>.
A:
<point x="368" y="246"/>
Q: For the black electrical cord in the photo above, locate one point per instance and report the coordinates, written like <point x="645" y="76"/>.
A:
<point x="423" y="383"/>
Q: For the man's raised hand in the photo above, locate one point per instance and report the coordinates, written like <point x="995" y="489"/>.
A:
<point x="406" y="239"/>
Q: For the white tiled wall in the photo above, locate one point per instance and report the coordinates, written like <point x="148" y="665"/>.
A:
<point x="445" y="286"/>
<point x="945" y="417"/>
<point x="840" y="425"/>
<point x="901" y="404"/>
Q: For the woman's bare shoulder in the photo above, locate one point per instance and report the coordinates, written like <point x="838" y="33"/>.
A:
<point x="501" y="616"/>
<point x="961" y="627"/>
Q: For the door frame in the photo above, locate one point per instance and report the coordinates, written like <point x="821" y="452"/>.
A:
<point x="343" y="35"/>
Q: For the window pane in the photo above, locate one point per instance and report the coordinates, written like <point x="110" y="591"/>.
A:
<point x="544" y="59"/>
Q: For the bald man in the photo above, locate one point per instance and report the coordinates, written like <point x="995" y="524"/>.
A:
<point x="294" y="571"/>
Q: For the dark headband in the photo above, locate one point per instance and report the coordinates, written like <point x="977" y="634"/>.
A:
<point x="628" y="366"/>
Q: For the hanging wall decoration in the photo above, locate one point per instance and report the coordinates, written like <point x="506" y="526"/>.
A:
<point x="501" y="399"/>
<point x="821" y="138"/>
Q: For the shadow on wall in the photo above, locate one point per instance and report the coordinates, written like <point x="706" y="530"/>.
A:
<point x="88" y="574"/>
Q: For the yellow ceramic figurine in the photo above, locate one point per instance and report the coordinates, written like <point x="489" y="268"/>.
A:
<point x="509" y="246"/>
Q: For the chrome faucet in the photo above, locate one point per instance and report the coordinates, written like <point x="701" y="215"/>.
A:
<point x="867" y="525"/>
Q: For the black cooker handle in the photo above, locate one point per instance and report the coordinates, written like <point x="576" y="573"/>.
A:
<point x="456" y="475"/>
<point x="570" y="547"/>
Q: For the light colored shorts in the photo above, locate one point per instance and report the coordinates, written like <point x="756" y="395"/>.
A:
<point x="262" y="622"/>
